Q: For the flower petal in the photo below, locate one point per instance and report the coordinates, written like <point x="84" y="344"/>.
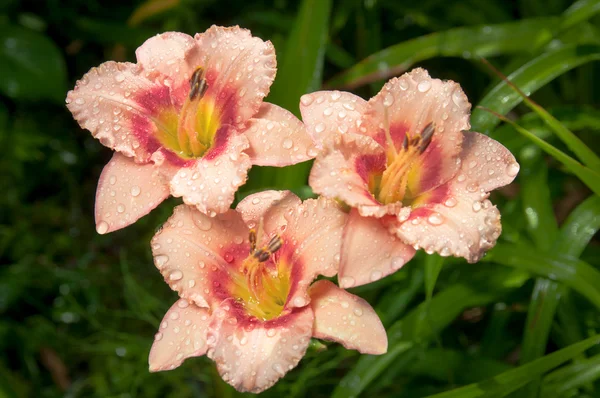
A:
<point x="239" y="68"/>
<point x="456" y="218"/>
<point x="210" y="183"/>
<point x="271" y="206"/>
<point x="369" y="251"/>
<point x="105" y="102"/>
<point x="341" y="171"/>
<point x="252" y="355"/>
<point x="330" y="113"/>
<point x="172" y="55"/>
<point x="189" y="252"/>
<point x="346" y="319"/>
<point x="126" y="192"/>
<point x="315" y="229"/>
<point x="181" y="335"/>
<point x="410" y="103"/>
<point x="278" y="138"/>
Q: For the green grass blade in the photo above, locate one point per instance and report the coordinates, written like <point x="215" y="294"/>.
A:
<point x="543" y="228"/>
<point x="433" y="267"/>
<point x="577" y="274"/>
<point x="580" y="227"/>
<point x="424" y="322"/>
<point x="588" y="176"/>
<point x="574" y="143"/>
<point x="480" y="41"/>
<point x="569" y="377"/>
<point x="530" y="77"/>
<point x="578" y="12"/>
<point x="300" y="71"/>
<point x="537" y="202"/>
<point x="507" y="382"/>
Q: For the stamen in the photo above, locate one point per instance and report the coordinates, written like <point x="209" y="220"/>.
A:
<point x="426" y="136"/>
<point x="388" y="136"/>
<point x="252" y="239"/>
<point x="275" y="244"/>
<point x="198" y="84"/>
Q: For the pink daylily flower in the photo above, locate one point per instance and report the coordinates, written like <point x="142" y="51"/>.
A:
<point x="187" y="120"/>
<point x="244" y="281"/>
<point x="412" y="174"/>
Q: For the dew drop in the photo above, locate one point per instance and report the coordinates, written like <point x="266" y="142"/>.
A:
<point x="135" y="190"/>
<point x="476" y="206"/>
<point x="347" y="281"/>
<point x="174" y="315"/>
<point x="183" y="303"/>
<point x="161" y="260"/>
<point x="271" y="332"/>
<point x="306" y="99"/>
<point x="204" y="224"/>
<point x="299" y="302"/>
<point x="435" y="219"/>
<point x="319" y="128"/>
<point x="175" y="275"/>
<point x="512" y="169"/>
<point x="358" y="312"/>
<point x="388" y="100"/>
<point x="287" y="143"/>
<point x="120" y="208"/>
<point x="112" y="180"/>
<point x="424" y="86"/>
<point x="102" y="227"/>
<point x="397" y="263"/>
<point x="158" y="336"/>
<point x="376" y="275"/>
<point x="450" y="202"/>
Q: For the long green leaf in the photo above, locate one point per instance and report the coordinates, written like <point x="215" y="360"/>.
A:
<point x="300" y="71"/>
<point x="480" y="41"/>
<point x="530" y="77"/>
<point x="424" y="322"/>
<point x="574" y="143"/>
<point x="578" y="275"/>
<point x="562" y="380"/>
<point x="588" y="176"/>
<point x="507" y="382"/>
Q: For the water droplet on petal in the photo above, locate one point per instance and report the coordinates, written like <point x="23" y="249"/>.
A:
<point x="512" y="169"/>
<point x="112" y="180"/>
<point x="397" y="263"/>
<point x="476" y="206"/>
<point x="424" y="86"/>
<point x="358" y="312"/>
<point x="376" y="275"/>
<point x="271" y="332"/>
<point x="174" y="315"/>
<point x="204" y="224"/>
<point x="158" y="336"/>
<point x="102" y="227"/>
<point x="306" y="99"/>
<point x="299" y="302"/>
<point x="120" y="208"/>
<point x="175" y="275"/>
<point x="388" y="100"/>
<point x="161" y="260"/>
<point x="135" y="190"/>
<point x="319" y="128"/>
<point x="183" y="303"/>
<point x="450" y="202"/>
<point x="347" y="281"/>
<point x="435" y="219"/>
<point x="287" y="143"/>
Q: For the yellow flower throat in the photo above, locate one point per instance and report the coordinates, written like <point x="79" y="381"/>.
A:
<point x="260" y="288"/>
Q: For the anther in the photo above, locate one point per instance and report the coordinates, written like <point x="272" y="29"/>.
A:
<point x="198" y="84"/>
<point x="274" y="244"/>
<point x="405" y="142"/>
<point x="426" y="136"/>
<point x="262" y="255"/>
<point x="252" y="239"/>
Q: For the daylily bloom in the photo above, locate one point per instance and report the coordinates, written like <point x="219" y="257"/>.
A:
<point x="411" y="173"/>
<point x="244" y="278"/>
<point x="187" y="120"/>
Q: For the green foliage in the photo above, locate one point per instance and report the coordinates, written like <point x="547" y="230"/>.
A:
<point x="79" y="310"/>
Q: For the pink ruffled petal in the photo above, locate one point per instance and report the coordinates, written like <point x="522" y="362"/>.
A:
<point x="341" y="171"/>
<point x="210" y="183"/>
<point x="252" y="355"/>
<point x="271" y="207"/>
<point x="239" y="69"/>
<point x="315" y="230"/>
<point x="413" y="101"/>
<point x="192" y="251"/>
<point x="457" y="218"/>
<point x="171" y="55"/>
<point x="330" y="113"/>
<point x="369" y="251"/>
<point x="181" y="335"/>
<point x="126" y="192"/>
<point x="347" y="319"/>
<point x="278" y="138"/>
<point x="105" y="101"/>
